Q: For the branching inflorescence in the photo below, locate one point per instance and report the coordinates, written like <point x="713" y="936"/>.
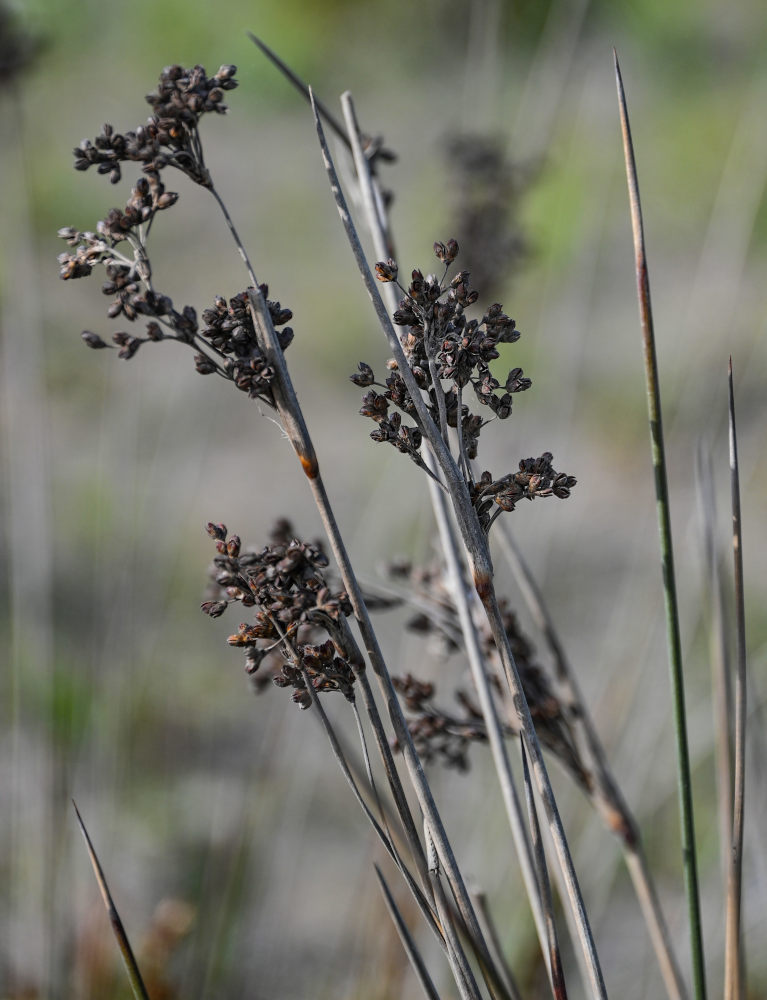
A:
<point x="285" y="585"/>
<point x="446" y="735"/>
<point x="441" y="344"/>
<point x="225" y="340"/>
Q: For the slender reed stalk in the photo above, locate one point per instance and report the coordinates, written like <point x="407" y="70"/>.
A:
<point x="605" y="794"/>
<point x="734" y="985"/>
<point x="451" y="550"/>
<point x="337" y="750"/>
<point x="689" y="856"/>
<point x="411" y="950"/>
<point x="462" y="973"/>
<point x="481" y="567"/>
<point x="558" y="988"/>
<point x="720" y="660"/>
<point x="295" y="428"/>
<point x="129" y="960"/>
<point x="490" y="931"/>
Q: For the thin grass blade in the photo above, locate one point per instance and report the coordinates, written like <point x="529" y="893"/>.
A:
<point x="436" y="827"/>
<point x="720" y="659"/>
<point x="490" y="931"/>
<point x="605" y="794"/>
<point x="558" y="988"/>
<point x="411" y="949"/>
<point x="734" y="963"/>
<point x="129" y="959"/>
<point x="689" y="855"/>
<point x="301" y="87"/>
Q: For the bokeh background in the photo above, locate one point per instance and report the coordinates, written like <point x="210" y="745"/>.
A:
<point x="238" y="859"/>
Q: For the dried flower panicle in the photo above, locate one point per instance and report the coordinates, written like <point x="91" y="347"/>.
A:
<point x="171" y="135"/>
<point x="225" y="342"/>
<point x="436" y="734"/>
<point x="536" y="478"/>
<point x="447" y="736"/>
<point x="442" y="345"/>
<point x="285" y="585"/>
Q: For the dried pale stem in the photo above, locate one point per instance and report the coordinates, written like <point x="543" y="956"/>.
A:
<point x="489" y="712"/>
<point x="490" y="931"/>
<point x="605" y="795"/>
<point x="338" y="752"/>
<point x="298" y="435"/>
<point x="129" y="960"/>
<point x="734" y="960"/>
<point x="383" y="835"/>
<point x="558" y="988"/>
<point x="462" y="973"/>
<point x="451" y="550"/>
<point x="426" y="800"/>
<point x="720" y="659"/>
<point x="295" y="427"/>
<point x="481" y="567"/>
<point x="689" y="856"/>
<point x="411" y="949"/>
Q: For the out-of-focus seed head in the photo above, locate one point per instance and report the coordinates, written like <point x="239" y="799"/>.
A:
<point x="93" y="340"/>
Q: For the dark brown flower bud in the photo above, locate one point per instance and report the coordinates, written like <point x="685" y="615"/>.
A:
<point x="130" y="348"/>
<point x="460" y="279"/>
<point x="167" y="199"/>
<point x="93" y="340"/>
<point x="233" y="546"/>
<point x="446" y="252"/>
<point x="364" y="377"/>
<point x="374" y="406"/>
<point x="386" y="270"/>
<point x="214" y="609"/>
<point x="203" y="365"/>
<point x="216" y="530"/>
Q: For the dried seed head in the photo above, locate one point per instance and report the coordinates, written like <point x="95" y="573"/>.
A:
<point x="364" y="377"/>
<point x="386" y="270"/>
<point x="93" y="340"/>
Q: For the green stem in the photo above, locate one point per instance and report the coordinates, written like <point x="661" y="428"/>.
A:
<point x="689" y="857"/>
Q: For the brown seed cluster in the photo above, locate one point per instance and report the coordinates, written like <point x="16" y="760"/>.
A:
<point x="225" y="342"/>
<point x="536" y="478"/>
<point x="292" y="604"/>
<point x="445" y="735"/>
<point x="447" y="352"/>
<point x="170" y="136"/>
<point x="438" y="735"/>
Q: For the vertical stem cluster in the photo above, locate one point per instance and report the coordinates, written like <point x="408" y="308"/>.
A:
<point x="480" y="564"/>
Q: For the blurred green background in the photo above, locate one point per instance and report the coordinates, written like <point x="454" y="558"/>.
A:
<point x="224" y="826"/>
